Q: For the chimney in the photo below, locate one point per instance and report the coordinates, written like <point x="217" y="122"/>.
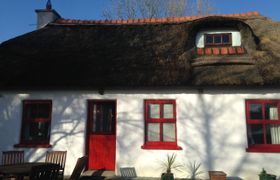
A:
<point x="46" y="16"/>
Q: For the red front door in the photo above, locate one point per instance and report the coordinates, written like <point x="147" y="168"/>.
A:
<point x="101" y="134"/>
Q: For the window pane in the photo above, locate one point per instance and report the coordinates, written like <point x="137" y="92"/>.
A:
<point x="273" y="134"/>
<point x="37" y="131"/>
<point x="226" y="38"/>
<point x="218" y="39"/>
<point x="255" y="134"/>
<point x="168" y="111"/>
<point x="271" y="111"/>
<point x="153" y="132"/>
<point x="255" y="111"/>
<point x="103" y="118"/>
<point x="209" y="39"/>
<point x="169" y="132"/>
<point x="43" y="110"/>
<point x="37" y="111"/>
<point x="154" y="111"/>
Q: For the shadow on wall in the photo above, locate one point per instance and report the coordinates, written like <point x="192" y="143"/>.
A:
<point x="68" y="123"/>
<point x="10" y="121"/>
<point x="215" y="130"/>
<point x="217" y="122"/>
<point x="206" y="117"/>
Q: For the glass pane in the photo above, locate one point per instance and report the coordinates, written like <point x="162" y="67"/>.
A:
<point x="209" y="39"/>
<point x="37" y="131"/>
<point x="273" y="134"/>
<point x="103" y="118"/>
<point x="255" y="111"/>
<point x="168" y="111"/>
<point x="218" y="39"/>
<point x="271" y="111"/>
<point x="37" y="111"/>
<point x="154" y="111"/>
<point x="169" y="132"/>
<point x="226" y="38"/>
<point x="153" y="132"/>
<point x="108" y="118"/>
<point x="255" y="134"/>
<point x="94" y="120"/>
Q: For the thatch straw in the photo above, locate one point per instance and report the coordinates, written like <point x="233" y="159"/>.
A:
<point x="138" y="55"/>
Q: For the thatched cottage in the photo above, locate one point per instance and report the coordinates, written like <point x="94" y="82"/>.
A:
<point x="128" y="92"/>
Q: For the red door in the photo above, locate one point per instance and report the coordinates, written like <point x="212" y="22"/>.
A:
<point x="101" y="134"/>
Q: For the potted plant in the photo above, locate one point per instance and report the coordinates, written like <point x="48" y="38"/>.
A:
<point x="264" y="176"/>
<point x="193" y="170"/>
<point x="168" y="165"/>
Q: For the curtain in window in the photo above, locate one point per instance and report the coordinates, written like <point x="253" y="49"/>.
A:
<point x="274" y="128"/>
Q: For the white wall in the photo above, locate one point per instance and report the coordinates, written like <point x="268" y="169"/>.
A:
<point x="236" y="37"/>
<point x="211" y="129"/>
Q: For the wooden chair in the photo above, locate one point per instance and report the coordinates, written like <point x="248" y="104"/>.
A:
<point x="45" y="172"/>
<point x="57" y="157"/>
<point x="12" y="157"/>
<point x="79" y="167"/>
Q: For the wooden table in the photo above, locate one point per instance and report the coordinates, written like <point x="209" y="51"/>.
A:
<point x="19" y="170"/>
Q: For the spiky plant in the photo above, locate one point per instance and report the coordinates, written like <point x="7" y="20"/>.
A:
<point x="193" y="169"/>
<point x="170" y="163"/>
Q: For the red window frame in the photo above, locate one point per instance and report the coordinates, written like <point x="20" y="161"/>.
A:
<point x="264" y="122"/>
<point x="160" y="144"/>
<point x="216" y="35"/>
<point x="25" y="121"/>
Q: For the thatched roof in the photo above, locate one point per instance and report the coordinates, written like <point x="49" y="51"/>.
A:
<point x="151" y="53"/>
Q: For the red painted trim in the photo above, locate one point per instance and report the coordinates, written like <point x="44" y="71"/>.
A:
<point x="34" y="143"/>
<point x="262" y="147"/>
<point x="161" y="147"/>
<point x="262" y="122"/>
<point x="32" y="146"/>
<point x="90" y="102"/>
<point x="87" y="132"/>
<point x="160" y="144"/>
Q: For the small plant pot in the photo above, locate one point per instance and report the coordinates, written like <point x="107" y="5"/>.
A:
<point x="167" y="176"/>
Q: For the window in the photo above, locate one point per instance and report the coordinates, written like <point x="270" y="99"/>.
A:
<point x="160" y="124"/>
<point x="102" y="117"/>
<point x="263" y="125"/>
<point x="36" y="123"/>
<point x="217" y="39"/>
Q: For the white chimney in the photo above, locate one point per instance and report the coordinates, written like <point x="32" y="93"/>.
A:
<point x="46" y="16"/>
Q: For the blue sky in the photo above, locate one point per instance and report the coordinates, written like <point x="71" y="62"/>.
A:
<point x="18" y="17"/>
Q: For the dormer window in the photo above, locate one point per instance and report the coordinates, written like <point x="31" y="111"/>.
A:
<point x="219" y="42"/>
<point x="218" y="37"/>
<point x="224" y="39"/>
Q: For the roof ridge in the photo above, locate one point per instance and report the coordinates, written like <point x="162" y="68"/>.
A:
<point x="153" y="20"/>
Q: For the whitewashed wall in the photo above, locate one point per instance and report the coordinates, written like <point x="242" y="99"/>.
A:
<point x="211" y="129"/>
<point x="236" y="37"/>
